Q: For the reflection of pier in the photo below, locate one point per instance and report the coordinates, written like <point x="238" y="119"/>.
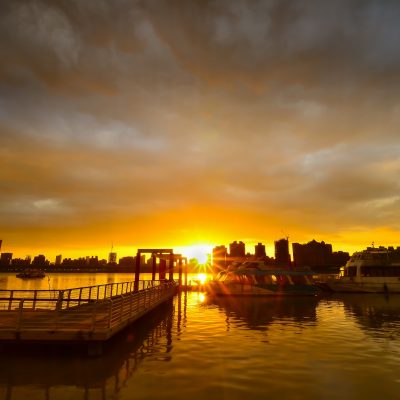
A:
<point x="46" y="375"/>
<point x="89" y="314"/>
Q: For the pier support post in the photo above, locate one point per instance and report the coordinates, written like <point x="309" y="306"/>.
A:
<point x="171" y="267"/>
<point x="186" y="273"/>
<point x="137" y="272"/>
<point x="153" y="275"/>
<point x="161" y="270"/>
<point x="180" y="272"/>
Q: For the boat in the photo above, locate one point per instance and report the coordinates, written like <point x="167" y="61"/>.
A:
<point x="31" y="274"/>
<point x="254" y="278"/>
<point x="374" y="270"/>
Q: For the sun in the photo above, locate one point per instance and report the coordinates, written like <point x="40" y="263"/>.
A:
<point x="198" y="251"/>
<point x="202" y="278"/>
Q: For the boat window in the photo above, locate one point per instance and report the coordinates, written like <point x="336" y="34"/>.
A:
<point x="377" y="271"/>
<point x="350" y="271"/>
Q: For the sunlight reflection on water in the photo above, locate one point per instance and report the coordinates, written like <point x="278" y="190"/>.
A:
<point x="198" y="347"/>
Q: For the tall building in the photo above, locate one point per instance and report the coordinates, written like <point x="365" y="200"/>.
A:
<point x="317" y="255"/>
<point x="219" y="255"/>
<point x="112" y="258"/>
<point x="282" y="256"/>
<point x="58" y="259"/>
<point x="39" y="261"/>
<point x="237" y="249"/>
<point x="259" y="250"/>
<point x="128" y="261"/>
<point x="5" y="259"/>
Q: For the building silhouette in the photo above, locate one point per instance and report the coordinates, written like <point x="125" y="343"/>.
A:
<point x="58" y="260"/>
<point x="237" y="249"/>
<point x="5" y="259"/>
<point x="282" y="256"/>
<point x="112" y="258"/>
<point x="318" y="256"/>
<point x="219" y="256"/>
<point x="128" y="261"/>
<point x="259" y="250"/>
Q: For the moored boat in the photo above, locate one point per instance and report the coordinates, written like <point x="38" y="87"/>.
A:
<point x="31" y="274"/>
<point x="254" y="278"/>
<point x="374" y="270"/>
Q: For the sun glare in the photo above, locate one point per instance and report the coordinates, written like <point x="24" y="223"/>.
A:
<point x="201" y="278"/>
<point x="198" y="251"/>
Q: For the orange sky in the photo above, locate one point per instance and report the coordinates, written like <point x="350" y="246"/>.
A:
<point x="185" y="123"/>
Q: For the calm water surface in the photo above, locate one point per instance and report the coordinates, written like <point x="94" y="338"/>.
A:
<point x="343" y="347"/>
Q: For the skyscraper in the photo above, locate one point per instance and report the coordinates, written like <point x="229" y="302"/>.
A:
<point x="237" y="249"/>
<point x="112" y="258"/>
<point x="259" y="250"/>
<point x="282" y="256"/>
<point x="219" y="255"/>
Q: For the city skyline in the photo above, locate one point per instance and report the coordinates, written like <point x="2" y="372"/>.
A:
<point x="188" y="124"/>
<point x="201" y="254"/>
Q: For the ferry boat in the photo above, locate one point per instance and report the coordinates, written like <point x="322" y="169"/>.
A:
<point x="254" y="278"/>
<point x="31" y="274"/>
<point x="374" y="270"/>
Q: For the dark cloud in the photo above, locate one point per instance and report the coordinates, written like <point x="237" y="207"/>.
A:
<point x="124" y="109"/>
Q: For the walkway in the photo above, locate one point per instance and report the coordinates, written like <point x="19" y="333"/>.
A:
<point x="86" y="314"/>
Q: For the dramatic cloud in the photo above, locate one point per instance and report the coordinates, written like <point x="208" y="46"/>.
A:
<point x="159" y="122"/>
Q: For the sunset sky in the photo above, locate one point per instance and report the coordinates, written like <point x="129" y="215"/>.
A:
<point x="176" y="123"/>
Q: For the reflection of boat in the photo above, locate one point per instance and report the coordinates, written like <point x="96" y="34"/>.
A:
<point x="31" y="274"/>
<point x="254" y="278"/>
<point x="374" y="270"/>
<point x="259" y="312"/>
<point x="376" y="313"/>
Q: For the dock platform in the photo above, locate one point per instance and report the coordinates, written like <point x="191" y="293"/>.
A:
<point x="90" y="314"/>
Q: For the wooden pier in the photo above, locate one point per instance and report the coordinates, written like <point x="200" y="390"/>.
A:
<point x="90" y="314"/>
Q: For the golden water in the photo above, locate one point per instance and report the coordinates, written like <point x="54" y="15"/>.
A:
<point x="343" y="347"/>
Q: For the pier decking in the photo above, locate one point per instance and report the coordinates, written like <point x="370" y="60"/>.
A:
<point x="88" y="314"/>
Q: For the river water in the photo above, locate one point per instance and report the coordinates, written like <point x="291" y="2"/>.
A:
<point x="195" y="347"/>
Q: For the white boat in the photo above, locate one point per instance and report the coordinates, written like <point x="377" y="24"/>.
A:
<point x="374" y="270"/>
<point x="254" y="278"/>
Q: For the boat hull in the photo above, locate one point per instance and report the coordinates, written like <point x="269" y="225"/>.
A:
<point x="365" y="285"/>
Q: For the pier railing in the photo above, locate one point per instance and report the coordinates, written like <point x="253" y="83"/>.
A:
<point x="67" y="298"/>
<point x="88" y="313"/>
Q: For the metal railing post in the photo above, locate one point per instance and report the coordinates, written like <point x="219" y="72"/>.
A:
<point x="34" y="300"/>
<point x="69" y="297"/>
<point x="80" y="296"/>
<point x="19" y="315"/>
<point x="11" y="299"/>
<point x="58" y="308"/>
